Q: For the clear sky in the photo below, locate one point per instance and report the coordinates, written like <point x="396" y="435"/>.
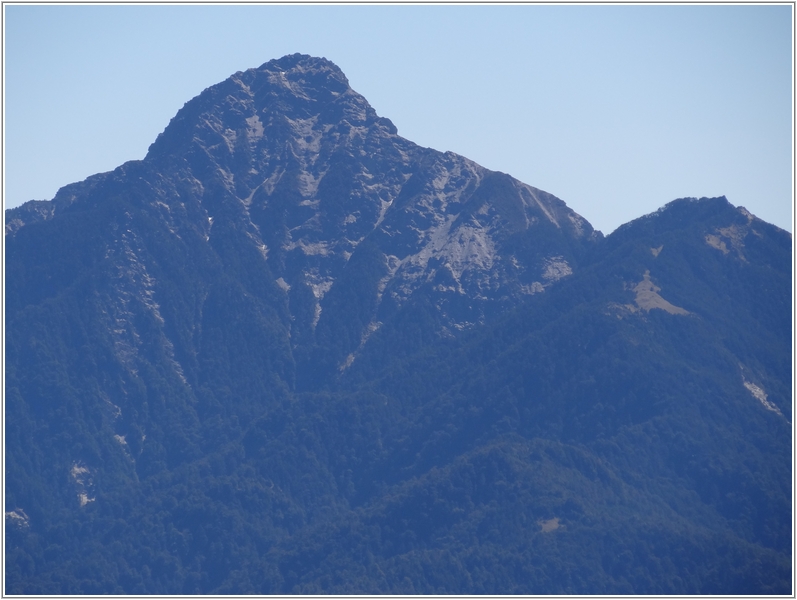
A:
<point x="615" y="109"/>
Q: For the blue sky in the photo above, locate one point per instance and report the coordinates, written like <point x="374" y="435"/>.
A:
<point x="615" y="109"/>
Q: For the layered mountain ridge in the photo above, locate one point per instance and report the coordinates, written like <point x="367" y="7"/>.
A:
<point x="287" y="325"/>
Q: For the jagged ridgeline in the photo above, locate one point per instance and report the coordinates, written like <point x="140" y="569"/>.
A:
<point x="291" y="352"/>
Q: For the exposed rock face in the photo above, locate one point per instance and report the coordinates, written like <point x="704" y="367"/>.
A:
<point x="288" y="161"/>
<point x="648" y="298"/>
<point x="311" y="172"/>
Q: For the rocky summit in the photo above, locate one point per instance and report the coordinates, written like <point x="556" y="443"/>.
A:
<point x="290" y="351"/>
<point x="288" y="162"/>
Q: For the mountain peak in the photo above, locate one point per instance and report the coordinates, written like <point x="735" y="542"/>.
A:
<point x="714" y="210"/>
<point x="313" y="76"/>
<point x="680" y="212"/>
<point x="287" y="161"/>
<point x="304" y="63"/>
<point x="294" y="87"/>
<point x="244" y="359"/>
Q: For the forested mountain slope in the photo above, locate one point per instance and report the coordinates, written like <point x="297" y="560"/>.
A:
<point x="292" y="352"/>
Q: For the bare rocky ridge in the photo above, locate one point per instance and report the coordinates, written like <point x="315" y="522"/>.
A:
<point x="313" y="172"/>
<point x="288" y="160"/>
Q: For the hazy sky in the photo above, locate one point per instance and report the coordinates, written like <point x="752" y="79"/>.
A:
<point x="615" y="109"/>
